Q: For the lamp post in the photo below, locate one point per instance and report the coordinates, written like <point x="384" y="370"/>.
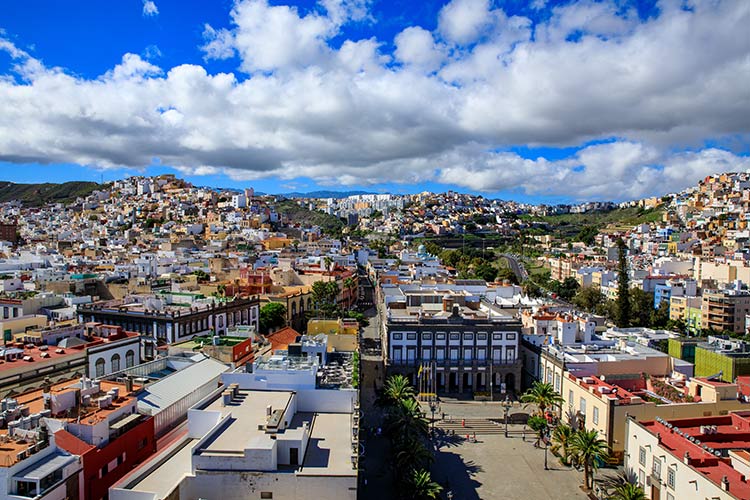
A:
<point x="546" y="445"/>
<point x="506" y="407"/>
<point x="450" y="495"/>
<point x="432" y="410"/>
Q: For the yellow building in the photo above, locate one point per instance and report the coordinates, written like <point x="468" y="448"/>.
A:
<point x="342" y="333"/>
<point x="23" y="323"/>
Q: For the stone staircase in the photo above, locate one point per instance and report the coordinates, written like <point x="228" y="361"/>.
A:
<point x="480" y="426"/>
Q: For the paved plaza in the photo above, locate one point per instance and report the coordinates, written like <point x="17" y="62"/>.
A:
<point x="496" y="467"/>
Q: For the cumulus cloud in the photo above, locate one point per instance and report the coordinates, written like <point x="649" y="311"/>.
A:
<point x="638" y="98"/>
<point x="150" y="9"/>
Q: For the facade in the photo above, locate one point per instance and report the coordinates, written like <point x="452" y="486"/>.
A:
<point x="721" y="357"/>
<point x="470" y="350"/>
<point x="725" y="310"/>
<point x="702" y="457"/>
<point x="167" y="321"/>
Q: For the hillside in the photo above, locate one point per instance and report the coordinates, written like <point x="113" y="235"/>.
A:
<point x="39" y="194"/>
<point x="330" y="224"/>
<point x="582" y="227"/>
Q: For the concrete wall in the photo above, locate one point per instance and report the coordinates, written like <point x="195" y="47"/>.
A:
<point x="250" y="485"/>
<point x="326" y="400"/>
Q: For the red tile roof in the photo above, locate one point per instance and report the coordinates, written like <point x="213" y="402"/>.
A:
<point x="281" y="339"/>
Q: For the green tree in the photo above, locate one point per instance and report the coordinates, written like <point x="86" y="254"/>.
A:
<point x="420" y="486"/>
<point x="561" y="437"/>
<point x="543" y="395"/>
<point x="539" y="425"/>
<point x="627" y="491"/>
<point x="325" y="296"/>
<point x="568" y="288"/>
<point x="272" y="317"/>
<point x="589" y="298"/>
<point x="641" y="307"/>
<point x="412" y="453"/>
<point x="589" y="450"/>
<point x="407" y="421"/>
<point x="396" y="389"/>
<point x="660" y="315"/>
<point x="622" y="318"/>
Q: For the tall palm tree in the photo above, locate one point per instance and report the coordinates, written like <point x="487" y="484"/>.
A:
<point x="397" y="388"/>
<point x="561" y="437"/>
<point x="420" y="486"/>
<point x="327" y="262"/>
<point x="407" y="421"/>
<point x="410" y="453"/>
<point x="588" y="449"/>
<point x="349" y="284"/>
<point x="627" y="491"/>
<point x="543" y="395"/>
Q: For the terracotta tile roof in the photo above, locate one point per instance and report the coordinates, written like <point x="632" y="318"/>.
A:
<point x="281" y="339"/>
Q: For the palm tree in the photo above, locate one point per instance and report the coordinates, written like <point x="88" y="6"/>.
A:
<point x="627" y="491"/>
<point x="561" y="438"/>
<point x="397" y="388"/>
<point x="327" y="261"/>
<point x="407" y="421"/>
<point x="543" y="395"/>
<point x="349" y="284"/>
<point x="411" y="453"/>
<point x="420" y="486"/>
<point x="588" y="449"/>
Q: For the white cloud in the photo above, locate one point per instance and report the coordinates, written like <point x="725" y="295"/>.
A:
<point x="150" y="9"/>
<point x="416" y="46"/>
<point x="343" y="114"/>
<point x="463" y="21"/>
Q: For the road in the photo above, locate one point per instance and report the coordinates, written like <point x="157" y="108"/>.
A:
<point x="516" y="267"/>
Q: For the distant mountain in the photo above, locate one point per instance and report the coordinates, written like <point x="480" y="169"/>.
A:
<point x="326" y="194"/>
<point x="39" y="194"/>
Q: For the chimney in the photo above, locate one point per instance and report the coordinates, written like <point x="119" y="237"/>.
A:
<point x="686" y="458"/>
<point x="129" y="384"/>
<point x="725" y="483"/>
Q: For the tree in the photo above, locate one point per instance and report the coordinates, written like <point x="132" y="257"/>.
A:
<point x="397" y="388"/>
<point x="327" y="261"/>
<point x="589" y="298"/>
<point x="350" y="284"/>
<point x="272" y="317"/>
<point x="627" y="491"/>
<point x="412" y="453"/>
<point x="420" y="486"/>
<point x="641" y="307"/>
<point x="539" y="425"/>
<point x="561" y="437"/>
<point x="568" y="288"/>
<point x="325" y="296"/>
<point x="660" y="315"/>
<point x="622" y="318"/>
<point x="588" y="449"/>
<point x="407" y="421"/>
<point x="543" y="395"/>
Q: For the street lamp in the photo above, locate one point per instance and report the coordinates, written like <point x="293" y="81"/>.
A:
<point x="433" y="408"/>
<point x="450" y="495"/>
<point x="506" y="407"/>
<point x="546" y="445"/>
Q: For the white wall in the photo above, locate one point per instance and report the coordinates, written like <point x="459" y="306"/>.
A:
<point x="326" y="400"/>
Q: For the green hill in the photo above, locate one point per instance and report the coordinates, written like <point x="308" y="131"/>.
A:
<point x="330" y="224"/>
<point x="39" y="194"/>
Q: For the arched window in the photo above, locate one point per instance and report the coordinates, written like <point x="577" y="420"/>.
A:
<point x="99" y="367"/>
<point x="294" y="309"/>
<point x="309" y="303"/>
<point x="115" y="363"/>
<point x="129" y="359"/>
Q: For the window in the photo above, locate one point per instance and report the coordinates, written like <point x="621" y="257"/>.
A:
<point x="440" y="336"/>
<point x="670" y="496"/>
<point x="5" y="313"/>
<point x="571" y="399"/>
<point x="455" y="336"/>
<point x="497" y="336"/>
<point x="642" y="456"/>
<point x="129" y="359"/>
<point x="582" y="406"/>
<point x="411" y="336"/>
<point x="481" y="336"/>
<point x="116" y="363"/>
<point x="468" y="336"/>
<point x="398" y="336"/>
<point x="426" y="353"/>
<point x="103" y="471"/>
<point x="99" y="367"/>
<point x="142" y="443"/>
<point x="266" y="494"/>
<point x="596" y="415"/>
<point x="467" y="354"/>
<point x="440" y="354"/>
<point x="510" y="336"/>
<point x="656" y="468"/>
<point x="641" y="478"/>
<point x="557" y="382"/>
<point x="426" y="336"/>
<point x="671" y="473"/>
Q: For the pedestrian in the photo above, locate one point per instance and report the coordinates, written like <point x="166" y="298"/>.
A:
<point x="475" y="437"/>
<point x="463" y="422"/>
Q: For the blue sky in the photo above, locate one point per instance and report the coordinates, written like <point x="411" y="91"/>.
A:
<point x="545" y="101"/>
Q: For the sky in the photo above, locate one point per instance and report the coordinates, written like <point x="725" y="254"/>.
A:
<point x="538" y="101"/>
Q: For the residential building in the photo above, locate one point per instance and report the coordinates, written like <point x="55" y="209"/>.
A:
<point x="722" y="357"/>
<point x="700" y="457"/>
<point x="725" y="310"/>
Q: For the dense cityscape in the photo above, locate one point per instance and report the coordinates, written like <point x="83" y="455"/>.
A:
<point x="163" y="340"/>
<point x="375" y="250"/>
